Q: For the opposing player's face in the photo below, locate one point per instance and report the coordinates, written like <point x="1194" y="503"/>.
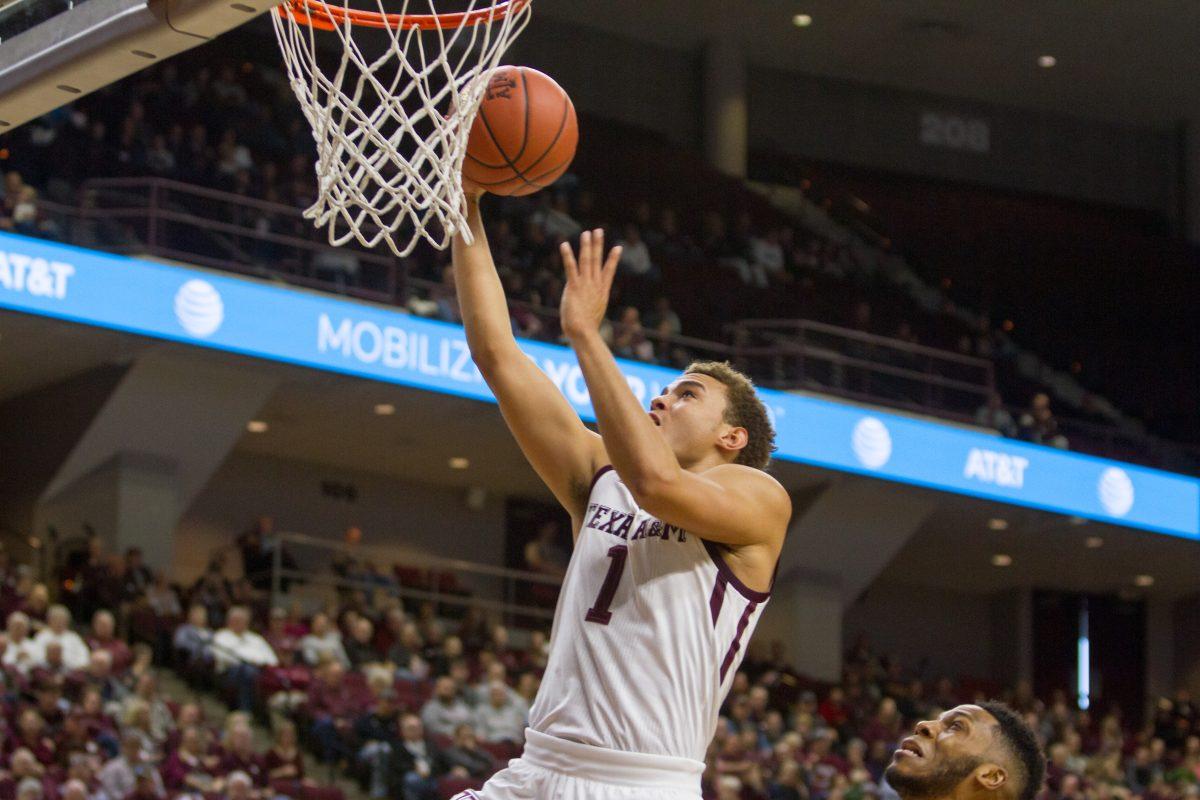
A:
<point x="691" y="415"/>
<point x="943" y="753"/>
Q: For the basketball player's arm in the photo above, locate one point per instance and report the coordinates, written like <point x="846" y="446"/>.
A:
<point x="731" y="504"/>
<point x="561" y="449"/>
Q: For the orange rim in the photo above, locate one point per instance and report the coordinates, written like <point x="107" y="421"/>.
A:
<point x="326" y="17"/>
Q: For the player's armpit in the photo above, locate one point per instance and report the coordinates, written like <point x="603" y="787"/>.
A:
<point x="730" y="504"/>
<point x="562" y="450"/>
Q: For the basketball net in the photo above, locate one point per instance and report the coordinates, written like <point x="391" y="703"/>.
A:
<point x="391" y="127"/>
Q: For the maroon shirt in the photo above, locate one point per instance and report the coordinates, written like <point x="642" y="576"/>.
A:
<point x="336" y="702"/>
<point x="122" y="656"/>
<point x="252" y="765"/>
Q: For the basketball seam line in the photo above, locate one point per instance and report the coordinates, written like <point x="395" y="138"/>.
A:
<point x="530" y="181"/>
<point x="500" y="148"/>
<point x="562" y="126"/>
<point x="507" y="161"/>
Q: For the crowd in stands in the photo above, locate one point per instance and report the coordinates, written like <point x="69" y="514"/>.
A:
<point x="236" y="127"/>
<point x="418" y="705"/>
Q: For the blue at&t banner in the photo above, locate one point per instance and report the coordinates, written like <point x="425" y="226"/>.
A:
<point x="324" y="332"/>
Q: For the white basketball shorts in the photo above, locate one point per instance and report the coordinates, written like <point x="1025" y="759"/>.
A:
<point x="556" y="769"/>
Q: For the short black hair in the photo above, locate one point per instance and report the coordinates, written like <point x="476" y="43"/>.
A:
<point x="1021" y="740"/>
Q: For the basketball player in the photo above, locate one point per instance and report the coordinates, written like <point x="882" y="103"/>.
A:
<point x="972" y="752"/>
<point x="677" y="532"/>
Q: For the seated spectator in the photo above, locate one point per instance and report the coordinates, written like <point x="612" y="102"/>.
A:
<point x="135" y="721"/>
<point x="193" y="639"/>
<point x="361" y="647"/>
<point x="664" y="319"/>
<point x="278" y="637"/>
<point x="240" y="653"/>
<point x="163" y="599"/>
<point x="58" y="621"/>
<point x="31" y="735"/>
<point x="629" y="337"/>
<point x="556" y="220"/>
<point x="119" y="777"/>
<point x="239" y="786"/>
<point x="136" y="576"/>
<point x="376" y="733"/>
<point x="415" y="763"/>
<point x="992" y="414"/>
<point x="333" y="707"/>
<point x="284" y="762"/>
<point x="285" y="685"/>
<point x="103" y="637"/>
<point x="767" y="254"/>
<point x="323" y="642"/>
<point x="21" y="652"/>
<point x="635" y="256"/>
<point x="1038" y="424"/>
<point x="160" y="719"/>
<point x="406" y="654"/>
<point x="240" y="755"/>
<point x="24" y="766"/>
<point x="190" y="768"/>
<point x="445" y="711"/>
<point x="465" y="758"/>
<point x="501" y="718"/>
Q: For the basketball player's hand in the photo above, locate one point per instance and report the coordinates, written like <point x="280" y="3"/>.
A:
<point x="589" y="281"/>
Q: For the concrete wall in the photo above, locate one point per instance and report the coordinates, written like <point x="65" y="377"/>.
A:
<point x="400" y="517"/>
<point x="950" y="633"/>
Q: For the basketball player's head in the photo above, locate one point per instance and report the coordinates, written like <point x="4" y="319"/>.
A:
<point x="971" y="752"/>
<point x="713" y="408"/>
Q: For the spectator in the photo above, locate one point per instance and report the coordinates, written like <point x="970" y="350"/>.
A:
<point x="992" y="414"/>
<point x="119" y="777"/>
<point x="193" y="639"/>
<point x="240" y="653"/>
<point x="137" y="576"/>
<point x="333" y="707"/>
<point x="21" y="651"/>
<point x="240" y="755"/>
<point x="501" y="718"/>
<point x="415" y="764"/>
<point x="629" y="337"/>
<point x="285" y="763"/>
<point x="465" y="758"/>
<point x="635" y="256"/>
<point x="360" y="650"/>
<point x="445" y="711"/>
<point x="323" y="642"/>
<point x="544" y="554"/>
<point x="376" y="732"/>
<point x="664" y="319"/>
<point x="556" y="220"/>
<point x="767" y="254"/>
<point x="103" y="638"/>
<point x="1038" y="424"/>
<point x="75" y="652"/>
<point x="160" y="720"/>
<point x="190" y="768"/>
<point x="163" y="599"/>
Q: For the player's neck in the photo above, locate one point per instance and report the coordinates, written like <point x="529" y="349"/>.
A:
<point x="704" y="463"/>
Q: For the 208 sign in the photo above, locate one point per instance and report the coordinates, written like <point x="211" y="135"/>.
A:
<point x="955" y="132"/>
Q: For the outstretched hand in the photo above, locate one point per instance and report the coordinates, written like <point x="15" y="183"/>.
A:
<point x="589" y="281"/>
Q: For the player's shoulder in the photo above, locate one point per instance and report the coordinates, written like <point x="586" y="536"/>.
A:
<point x="761" y="485"/>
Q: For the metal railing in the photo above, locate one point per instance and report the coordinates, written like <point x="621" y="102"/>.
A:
<point x="803" y="354"/>
<point x="500" y="590"/>
<point x="171" y="220"/>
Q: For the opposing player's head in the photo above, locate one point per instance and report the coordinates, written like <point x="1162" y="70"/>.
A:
<point x="971" y="752"/>
<point x="713" y="408"/>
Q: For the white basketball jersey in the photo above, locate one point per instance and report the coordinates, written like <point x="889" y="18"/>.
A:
<point x="649" y="630"/>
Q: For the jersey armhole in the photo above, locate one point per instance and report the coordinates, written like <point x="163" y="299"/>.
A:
<point x="714" y="552"/>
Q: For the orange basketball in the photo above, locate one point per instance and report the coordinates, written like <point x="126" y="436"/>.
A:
<point x="524" y="136"/>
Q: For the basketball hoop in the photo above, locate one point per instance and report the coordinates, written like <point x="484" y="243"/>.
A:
<point x="391" y="127"/>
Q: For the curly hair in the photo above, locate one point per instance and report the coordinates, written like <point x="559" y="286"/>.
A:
<point x="743" y="409"/>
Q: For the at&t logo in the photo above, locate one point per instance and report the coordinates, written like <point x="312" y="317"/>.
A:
<point x="198" y="308"/>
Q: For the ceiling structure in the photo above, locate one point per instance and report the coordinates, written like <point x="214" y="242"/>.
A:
<point x="1132" y="63"/>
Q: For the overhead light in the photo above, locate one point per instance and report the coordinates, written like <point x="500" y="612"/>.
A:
<point x="458" y="462"/>
<point x="1143" y="580"/>
<point x="256" y="426"/>
<point x="802" y="20"/>
<point x="385" y="409"/>
<point x="1001" y="560"/>
<point x="1047" y="62"/>
<point x="997" y="524"/>
<point x="1093" y="543"/>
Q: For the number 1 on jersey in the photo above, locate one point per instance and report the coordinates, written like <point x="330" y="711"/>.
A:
<point x="599" y="612"/>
